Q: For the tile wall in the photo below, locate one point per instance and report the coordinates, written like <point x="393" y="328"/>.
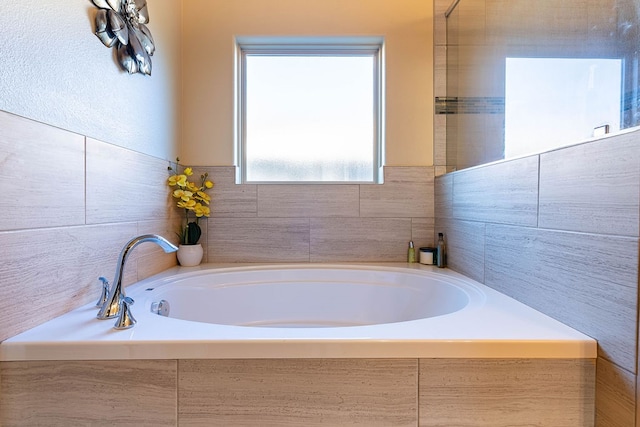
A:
<point x="320" y="223"/>
<point x="559" y="232"/>
<point x="70" y="203"/>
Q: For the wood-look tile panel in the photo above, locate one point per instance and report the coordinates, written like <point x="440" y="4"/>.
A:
<point x="407" y="192"/>
<point x="258" y="240"/>
<point x="307" y="200"/>
<point x="440" y="22"/>
<point x="229" y="199"/>
<point x="505" y="193"/>
<point x="42" y="175"/>
<point x="297" y="392"/>
<point x="360" y="239"/>
<point x="465" y="246"/>
<point x="592" y="187"/>
<point x="587" y="281"/>
<point x="444" y="196"/>
<point x="89" y="393"/>
<point x="422" y="232"/>
<point x="123" y="185"/>
<point x="615" y="395"/>
<point x="440" y="87"/>
<point x="46" y="273"/>
<point x="505" y="393"/>
<point x="439" y="142"/>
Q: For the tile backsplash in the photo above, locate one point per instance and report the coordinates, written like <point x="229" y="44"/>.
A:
<point x="320" y="223"/>
<point x="69" y="205"/>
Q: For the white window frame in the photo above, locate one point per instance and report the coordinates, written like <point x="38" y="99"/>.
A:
<point x="321" y="46"/>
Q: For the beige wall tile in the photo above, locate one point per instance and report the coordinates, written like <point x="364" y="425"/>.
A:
<point x="440" y="140"/>
<point x="229" y="199"/>
<point x="441" y="170"/>
<point x="505" y="193"/>
<point x="297" y="392"/>
<point x="407" y="192"/>
<point x="615" y="396"/>
<point x="422" y="232"/>
<point x="440" y="71"/>
<point x="444" y="196"/>
<point x="587" y="281"/>
<point x="465" y="246"/>
<point x="123" y="185"/>
<point x="501" y="393"/>
<point x="440" y="22"/>
<point x="95" y="393"/>
<point x="52" y="265"/>
<point x="592" y="188"/>
<point x="306" y="200"/>
<point x="42" y="173"/>
<point x="359" y="239"/>
<point x="258" y="240"/>
<point x="46" y="273"/>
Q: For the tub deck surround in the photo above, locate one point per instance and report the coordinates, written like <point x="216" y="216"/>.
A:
<point x="491" y="325"/>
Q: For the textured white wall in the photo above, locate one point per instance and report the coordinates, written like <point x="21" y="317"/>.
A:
<point x="53" y="69"/>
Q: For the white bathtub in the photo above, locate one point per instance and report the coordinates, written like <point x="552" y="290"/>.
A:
<point x="307" y="311"/>
<point x="310" y="296"/>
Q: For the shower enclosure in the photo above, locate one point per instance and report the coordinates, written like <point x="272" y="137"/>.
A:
<point x="525" y="77"/>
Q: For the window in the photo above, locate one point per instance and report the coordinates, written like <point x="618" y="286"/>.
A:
<point x="309" y="110"/>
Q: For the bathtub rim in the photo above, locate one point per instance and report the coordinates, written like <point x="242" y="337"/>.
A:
<point x="96" y="340"/>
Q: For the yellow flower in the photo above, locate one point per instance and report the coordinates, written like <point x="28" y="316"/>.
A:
<point x="201" y="195"/>
<point x="179" y="180"/>
<point x="187" y="204"/>
<point x="201" y="210"/>
<point x="192" y="186"/>
<point x="188" y="171"/>
<point x="208" y="184"/>
<point x="182" y="194"/>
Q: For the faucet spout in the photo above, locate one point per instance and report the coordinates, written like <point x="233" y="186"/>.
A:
<point x="111" y="306"/>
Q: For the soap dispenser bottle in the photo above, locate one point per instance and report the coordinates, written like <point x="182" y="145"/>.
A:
<point x="441" y="251"/>
<point x="411" y="254"/>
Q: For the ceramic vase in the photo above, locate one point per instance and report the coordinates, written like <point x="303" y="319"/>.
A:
<point x="190" y="255"/>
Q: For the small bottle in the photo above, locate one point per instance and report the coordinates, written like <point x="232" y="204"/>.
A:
<point x="442" y="251"/>
<point x="411" y="255"/>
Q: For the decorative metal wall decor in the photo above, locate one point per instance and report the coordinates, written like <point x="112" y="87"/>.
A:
<point x="121" y="24"/>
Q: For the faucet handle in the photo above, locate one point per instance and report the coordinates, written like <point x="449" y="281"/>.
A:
<point x="105" y="291"/>
<point x="125" y="318"/>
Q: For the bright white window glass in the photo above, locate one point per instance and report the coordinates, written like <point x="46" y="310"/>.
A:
<point x="554" y="102"/>
<point x="310" y="117"/>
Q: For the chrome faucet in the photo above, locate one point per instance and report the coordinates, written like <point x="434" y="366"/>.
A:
<point x="112" y="304"/>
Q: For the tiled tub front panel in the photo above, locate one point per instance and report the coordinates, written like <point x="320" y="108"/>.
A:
<point x="294" y="392"/>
